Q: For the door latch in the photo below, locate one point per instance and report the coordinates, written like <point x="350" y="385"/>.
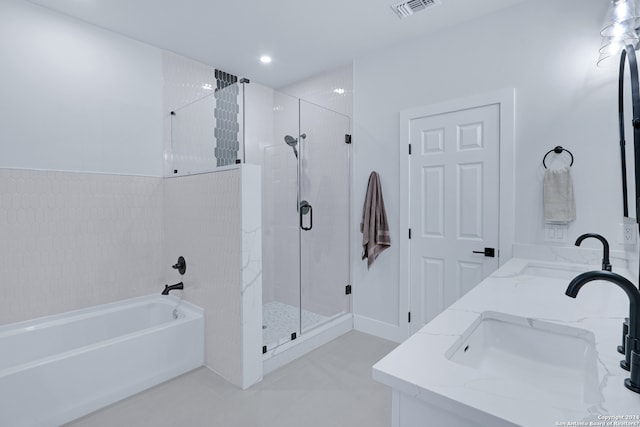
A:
<point x="490" y="252"/>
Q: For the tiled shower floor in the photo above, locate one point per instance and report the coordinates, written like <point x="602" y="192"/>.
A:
<point x="279" y="320"/>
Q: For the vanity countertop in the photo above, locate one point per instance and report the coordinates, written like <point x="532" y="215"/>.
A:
<point x="420" y="368"/>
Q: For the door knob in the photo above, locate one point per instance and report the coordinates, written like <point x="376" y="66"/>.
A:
<point x="489" y="252"/>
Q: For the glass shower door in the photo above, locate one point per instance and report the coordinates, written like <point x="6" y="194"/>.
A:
<point x="281" y="233"/>
<point x="324" y="215"/>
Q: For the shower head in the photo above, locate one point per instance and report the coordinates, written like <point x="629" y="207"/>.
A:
<point x="292" y="142"/>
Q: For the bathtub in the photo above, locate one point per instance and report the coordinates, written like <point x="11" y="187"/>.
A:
<point x="58" y="368"/>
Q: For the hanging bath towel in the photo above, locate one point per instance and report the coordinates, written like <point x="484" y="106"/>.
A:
<point x="559" y="203"/>
<point x="374" y="226"/>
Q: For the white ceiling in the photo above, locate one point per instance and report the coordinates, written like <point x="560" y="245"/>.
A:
<point x="304" y="37"/>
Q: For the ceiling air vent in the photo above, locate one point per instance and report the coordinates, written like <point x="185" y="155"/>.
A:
<point x="408" y="8"/>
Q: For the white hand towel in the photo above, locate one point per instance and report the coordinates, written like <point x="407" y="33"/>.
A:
<point x="559" y="202"/>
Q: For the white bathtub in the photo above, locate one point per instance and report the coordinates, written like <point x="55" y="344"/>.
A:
<point x="58" y="368"/>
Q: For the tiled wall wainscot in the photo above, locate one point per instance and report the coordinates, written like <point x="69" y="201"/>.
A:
<point x="72" y="240"/>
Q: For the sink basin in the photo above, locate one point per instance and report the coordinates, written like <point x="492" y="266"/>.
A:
<point x="527" y="356"/>
<point x="555" y="271"/>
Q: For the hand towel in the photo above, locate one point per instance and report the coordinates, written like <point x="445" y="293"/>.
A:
<point x="558" y="200"/>
<point x="374" y="226"/>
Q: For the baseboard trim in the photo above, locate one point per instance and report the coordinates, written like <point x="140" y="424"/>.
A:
<point x="380" y="329"/>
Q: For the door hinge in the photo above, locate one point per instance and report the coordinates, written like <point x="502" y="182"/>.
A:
<point x="347" y="138"/>
<point x="409" y="149"/>
<point x="409" y="317"/>
<point x="264" y="349"/>
<point x="347" y="290"/>
<point x="409" y="233"/>
<point x="293" y="336"/>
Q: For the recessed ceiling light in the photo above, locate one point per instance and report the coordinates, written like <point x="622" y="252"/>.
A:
<point x="339" y="90"/>
<point x="207" y="86"/>
<point x="265" y="59"/>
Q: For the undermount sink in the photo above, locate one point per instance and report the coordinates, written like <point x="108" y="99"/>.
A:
<point x="530" y="357"/>
<point x="555" y="271"/>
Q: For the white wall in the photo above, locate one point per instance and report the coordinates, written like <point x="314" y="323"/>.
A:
<point x="76" y="97"/>
<point x="547" y="51"/>
<point x="321" y="90"/>
<point x="210" y="224"/>
<point x="251" y="290"/>
<point x="200" y="212"/>
<point x="258" y="109"/>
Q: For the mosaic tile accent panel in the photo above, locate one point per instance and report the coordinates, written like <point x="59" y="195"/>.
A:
<point x="226" y="114"/>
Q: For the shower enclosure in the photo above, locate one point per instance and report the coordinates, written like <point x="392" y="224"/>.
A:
<point x="305" y="159"/>
<point x="305" y="202"/>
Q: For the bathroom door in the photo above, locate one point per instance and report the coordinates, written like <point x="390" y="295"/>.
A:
<point x="454" y="207"/>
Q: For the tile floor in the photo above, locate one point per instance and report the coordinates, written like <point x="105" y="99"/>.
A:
<point x="329" y="387"/>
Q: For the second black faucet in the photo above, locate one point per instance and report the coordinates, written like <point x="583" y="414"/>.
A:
<point x="632" y="356"/>
<point x="606" y="264"/>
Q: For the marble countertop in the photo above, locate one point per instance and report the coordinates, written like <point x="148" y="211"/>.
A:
<point x="420" y="368"/>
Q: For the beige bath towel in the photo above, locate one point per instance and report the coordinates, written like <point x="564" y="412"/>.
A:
<point x="558" y="200"/>
<point x="374" y="226"/>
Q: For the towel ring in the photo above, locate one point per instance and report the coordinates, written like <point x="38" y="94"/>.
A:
<point x="558" y="149"/>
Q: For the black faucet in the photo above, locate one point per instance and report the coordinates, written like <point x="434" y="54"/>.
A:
<point x="168" y="288"/>
<point x="632" y="354"/>
<point x="606" y="265"/>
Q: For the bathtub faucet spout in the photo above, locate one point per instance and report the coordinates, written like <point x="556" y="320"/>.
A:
<point x="168" y="288"/>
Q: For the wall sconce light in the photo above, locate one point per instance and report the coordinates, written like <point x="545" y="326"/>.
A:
<point x="620" y="28"/>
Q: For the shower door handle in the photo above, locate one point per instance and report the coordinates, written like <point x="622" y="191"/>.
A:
<point x="306" y="208"/>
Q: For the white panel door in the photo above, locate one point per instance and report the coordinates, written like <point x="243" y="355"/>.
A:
<point x="454" y="206"/>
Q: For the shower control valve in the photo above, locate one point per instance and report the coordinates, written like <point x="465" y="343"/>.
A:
<point x="181" y="265"/>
